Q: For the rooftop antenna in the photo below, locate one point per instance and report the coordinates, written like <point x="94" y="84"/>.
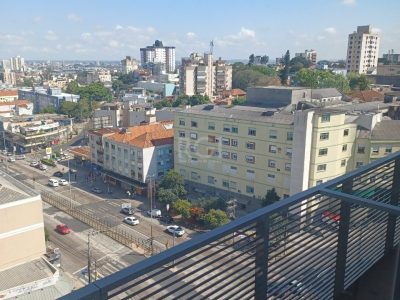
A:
<point x="211" y="46"/>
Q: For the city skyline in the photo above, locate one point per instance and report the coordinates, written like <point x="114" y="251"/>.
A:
<point x="76" y="30"/>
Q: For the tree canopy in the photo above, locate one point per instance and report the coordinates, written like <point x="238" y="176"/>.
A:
<point x="270" y="197"/>
<point x="321" y="79"/>
<point x="95" y="91"/>
<point x="215" y="218"/>
<point x="183" y="208"/>
<point x="183" y="100"/>
<point x="299" y="62"/>
<point x="284" y="74"/>
<point x="244" y="76"/>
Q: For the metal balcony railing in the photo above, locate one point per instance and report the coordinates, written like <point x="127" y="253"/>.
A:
<point x="312" y="245"/>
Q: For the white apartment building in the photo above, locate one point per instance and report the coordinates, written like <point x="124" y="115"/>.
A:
<point x="362" y="50"/>
<point x="159" y="54"/>
<point x="98" y="76"/>
<point x="129" y="65"/>
<point x="311" y="55"/>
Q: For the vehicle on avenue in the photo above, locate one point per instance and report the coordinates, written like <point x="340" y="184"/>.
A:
<point x="175" y="230"/>
<point x="154" y="213"/>
<point x="62" y="182"/>
<point x="127" y="211"/>
<point x="131" y="220"/>
<point x="58" y="174"/>
<point x="11" y="159"/>
<point x="53" y="182"/>
<point x="97" y="190"/>
<point x="9" y="154"/>
<point x="20" y="157"/>
<point x="34" y="164"/>
<point x="63" y="229"/>
<point x="42" y="167"/>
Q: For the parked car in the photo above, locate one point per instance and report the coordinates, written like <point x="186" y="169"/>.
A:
<point x="127" y="211"/>
<point x="58" y="174"/>
<point x="4" y="152"/>
<point x="42" y="167"/>
<point x="62" y="182"/>
<point x="155" y="213"/>
<point x="131" y="220"/>
<point x="34" y="164"/>
<point x="53" y="182"/>
<point x="20" y="157"/>
<point x="11" y="159"/>
<point x="63" y="229"/>
<point x="97" y="190"/>
<point x="176" y="230"/>
<point x="9" y="154"/>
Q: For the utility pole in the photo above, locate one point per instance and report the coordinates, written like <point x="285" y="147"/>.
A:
<point x="70" y="188"/>
<point x="89" y="260"/>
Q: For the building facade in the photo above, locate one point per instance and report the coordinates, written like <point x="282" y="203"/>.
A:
<point x="311" y="55"/>
<point x="8" y="95"/>
<point x="129" y="65"/>
<point x="103" y="76"/>
<point x="362" y="50"/>
<point x="158" y="54"/>
<point x="246" y="151"/>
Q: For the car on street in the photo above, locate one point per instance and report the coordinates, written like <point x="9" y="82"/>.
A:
<point x="11" y="159"/>
<point x="20" y="157"/>
<point x="34" y="164"/>
<point x="97" y="190"/>
<point x="9" y="154"/>
<point x="63" y="229"/>
<point x="58" y="174"/>
<point x="62" y="182"/>
<point x="4" y="152"/>
<point x="131" y="220"/>
<point x="155" y="213"/>
<point x="127" y="211"/>
<point x="42" y="167"/>
<point x="53" y="182"/>
<point x="175" y="230"/>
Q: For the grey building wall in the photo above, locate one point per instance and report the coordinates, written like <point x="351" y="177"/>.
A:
<point x="276" y="97"/>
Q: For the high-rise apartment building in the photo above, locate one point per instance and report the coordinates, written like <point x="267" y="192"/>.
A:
<point x="17" y="63"/>
<point x="246" y="151"/>
<point x="311" y="55"/>
<point x="200" y="75"/>
<point x="158" y="54"/>
<point x="129" y="65"/>
<point x="362" y="50"/>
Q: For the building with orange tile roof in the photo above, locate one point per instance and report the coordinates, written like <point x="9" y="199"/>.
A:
<point x="8" y="95"/>
<point x="135" y="154"/>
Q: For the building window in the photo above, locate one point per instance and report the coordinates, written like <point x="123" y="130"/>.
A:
<point x="375" y="150"/>
<point x="227" y="128"/>
<point x="361" y="149"/>
<point x="249" y="189"/>
<point x="321" y="168"/>
<point x="211" y="179"/>
<point x="271" y="163"/>
<point x="213" y="152"/>
<point x="323" y="152"/>
<point x="325" y="118"/>
<point x="225" y="183"/>
<point x="289" y="152"/>
<point x="271" y="177"/>
<point x="251" y="131"/>
<point x="273" y="134"/>
<point x="359" y="164"/>
<point x="211" y="139"/>
<point x="194" y="160"/>
<point x="234" y="143"/>
<point x="182" y="134"/>
<point x="388" y="149"/>
<point x="233" y="156"/>
<point x="225" y="154"/>
<point x="226" y="141"/>
<point x="250" y="159"/>
<point x="289" y="136"/>
<point x="193" y="148"/>
<point x="272" y="149"/>
<point x="235" y="129"/>
<point x="324" y="136"/>
<point x="251" y="145"/>
<point x="193" y="123"/>
<point x="343" y="163"/>
<point x="233" y="169"/>
<point x="182" y="122"/>
<point x="193" y="136"/>
<point x="250" y="173"/>
<point x="107" y="145"/>
<point x="195" y="176"/>
<point x="211" y="126"/>
<point x="344" y="148"/>
<point x="288" y="166"/>
<point x="113" y="147"/>
<point x="346" y="132"/>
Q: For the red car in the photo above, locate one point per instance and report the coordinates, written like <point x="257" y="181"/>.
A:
<point x="63" y="229"/>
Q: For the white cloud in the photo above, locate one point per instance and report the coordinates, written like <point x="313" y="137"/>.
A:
<point x="246" y="33"/>
<point x="37" y="19"/>
<point x="51" y="35"/>
<point x="190" y="35"/>
<point x="376" y="30"/>
<point x="321" y="37"/>
<point x="118" y="27"/>
<point x="348" y="2"/>
<point x="113" y="43"/>
<point x="330" y="30"/>
<point x="73" y="17"/>
<point x="86" y="36"/>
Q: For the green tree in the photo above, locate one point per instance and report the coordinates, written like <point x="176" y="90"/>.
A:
<point x="264" y="59"/>
<point x="167" y="195"/>
<point x="270" y="197"/>
<point x="251" y="60"/>
<point x="284" y="75"/>
<point x="46" y="235"/>
<point x="69" y="108"/>
<point x="215" y="218"/>
<point x="321" y="79"/>
<point x="212" y="203"/>
<point x="49" y="109"/>
<point x="239" y="101"/>
<point x="244" y="76"/>
<point x="174" y="181"/>
<point x="28" y="82"/>
<point x="72" y="87"/>
<point x="358" y="82"/>
<point x="299" y="62"/>
<point x="182" y="207"/>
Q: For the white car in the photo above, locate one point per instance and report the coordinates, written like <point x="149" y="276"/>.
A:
<point x="131" y="220"/>
<point x="155" y="213"/>
<point x="176" y="230"/>
<point x="34" y="164"/>
<point x="11" y="159"/>
<point x="42" y="167"/>
<point x="62" y="182"/>
<point x="53" y="182"/>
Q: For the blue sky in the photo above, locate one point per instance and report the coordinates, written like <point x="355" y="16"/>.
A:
<point x="110" y="30"/>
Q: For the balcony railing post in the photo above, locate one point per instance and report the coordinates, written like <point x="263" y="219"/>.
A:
<point x="394" y="200"/>
<point x="343" y="237"/>
<point x="261" y="258"/>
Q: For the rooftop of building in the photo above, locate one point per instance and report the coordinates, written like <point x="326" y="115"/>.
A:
<point x="366" y="96"/>
<point x="36" y="117"/>
<point x="8" y="93"/>
<point x="12" y="190"/>
<point x="15" y="102"/>
<point x="267" y="115"/>
<point x="146" y="135"/>
<point x="234" y="93"/>
<point x="358" y="108"/>
<point x="386" y="130"/>
<point x="80" y="151"/>
<point x="324" y="93"/>
<point x="393" y="93"/>
<point x="280" y="87"/>
<point x="104" y="131"/>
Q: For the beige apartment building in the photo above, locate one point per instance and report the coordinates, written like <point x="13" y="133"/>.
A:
<point x="363" y="50"/>
<point x="245" y="151"/>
